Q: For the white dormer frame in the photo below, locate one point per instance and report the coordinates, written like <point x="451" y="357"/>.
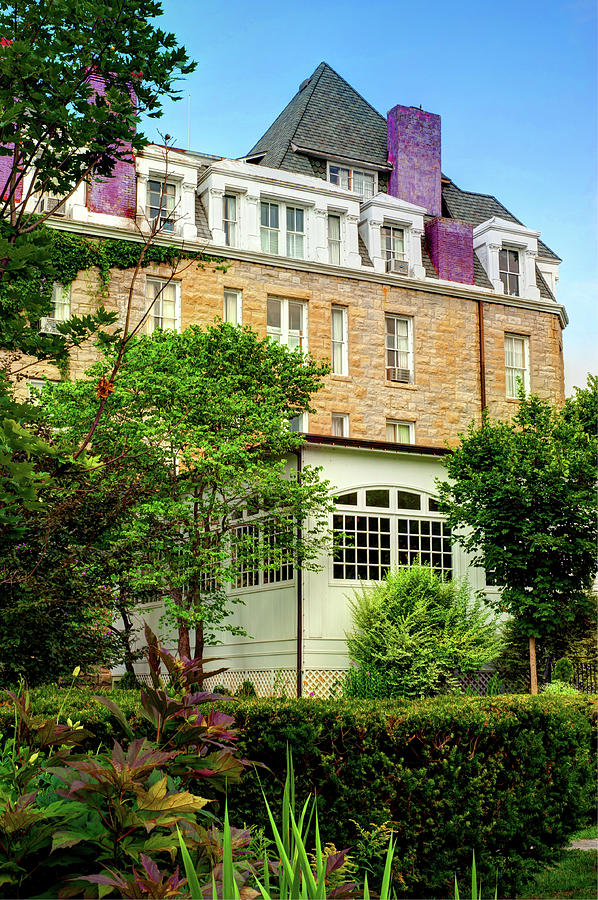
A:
<point x="154" y="164"/>
<point x="384" y="210"/>
<point x="251" y="184"/>
<point x="496" y="234"/>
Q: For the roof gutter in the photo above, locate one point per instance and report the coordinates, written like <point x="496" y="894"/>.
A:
<point x="367" y="444"/>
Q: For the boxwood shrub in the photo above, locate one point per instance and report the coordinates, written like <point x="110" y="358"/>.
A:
<point x="510" y="777"/>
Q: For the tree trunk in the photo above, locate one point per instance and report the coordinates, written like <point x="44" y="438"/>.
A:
<point x="199" y="648"/>
<point x="532" y="665"/>
<point x="184" y="646"/>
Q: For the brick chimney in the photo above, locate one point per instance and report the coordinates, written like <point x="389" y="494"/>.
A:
<point x="414" y="151"/>
<point x="116" y="195"/>
<point x="449" y="243"/>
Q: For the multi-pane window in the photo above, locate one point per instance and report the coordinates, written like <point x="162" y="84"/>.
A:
<point x="516" y="363"/>
<point x="297" y="423"/>
<point x="161" y="203"/>
<point x="426" y="542"/>
<point x="393" y="242"/>
<point x="399" y="432"/>
<point x="269" y="227"/>
<point x="286" y="322"/>
<point x="229" y="216"/>
<point x="61" y="301"/>
<point x="508" y="270"/>
<point x="340" y="424"/>
<point x="334" y="239"/>
<point x="399" y="349"/>
<point x="261" y="555"/>
<point x="375" y="529"/>
<point x="162" y="305"/>
<point x="295" y="232"/>
<point x="232" y="307"/>
<point x="362" y="183"/>
<point x="340" y="355"/>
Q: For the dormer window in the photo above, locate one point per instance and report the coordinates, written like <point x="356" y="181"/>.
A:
<point x="357" y="180"/>
<point x="229" y="216"/>
<point x="161" y="203"/>
<point x="509" y="270"/>
<point x="393" y="244"/>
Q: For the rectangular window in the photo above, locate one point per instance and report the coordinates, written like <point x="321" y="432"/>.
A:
<point x="516" y="363"/>
<point x="508" y="270"/>
<point x="287" y="322"/>
<point x="246" y="555"/>
<point x="61" y="301"/>
<point x="297" y="423"/>
<point x="427" y="542"/>
<point x="399" y="432"/>
<point x="334" y="240"/>
<point x="361" y="547"/>
<point x="361" y="182"/>
<point x="393" y="242"/>
<point x="34" y="388"/>
<point x="340" y="424"/>
<point x="232" y="307"/>
<point x="340" y="341"/>
<point x="269" y="227"/>
<point x="295" y="232"/>
<point x="161" y="203"/>
<point x="163" y="305"/>
<point x="399" y="349"/>
<point x="229" y="217"/>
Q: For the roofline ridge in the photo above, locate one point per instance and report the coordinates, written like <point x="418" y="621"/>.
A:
<point x="361" y="97"/>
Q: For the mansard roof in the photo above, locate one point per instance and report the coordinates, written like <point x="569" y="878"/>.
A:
<point x="477" y="208"/>
<point x="328" y="117"/>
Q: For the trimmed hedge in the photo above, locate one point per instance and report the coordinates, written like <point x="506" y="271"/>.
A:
<point x="510" y="777"/>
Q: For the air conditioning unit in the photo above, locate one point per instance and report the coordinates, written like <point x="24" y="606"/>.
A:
<point x="54" y="205"/>
<point x="47" y="325"/>
<point x="401" y="375"/>
<point x="397" y="266"/>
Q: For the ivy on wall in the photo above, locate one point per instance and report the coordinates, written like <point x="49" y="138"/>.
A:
<point x="73" y="253"/>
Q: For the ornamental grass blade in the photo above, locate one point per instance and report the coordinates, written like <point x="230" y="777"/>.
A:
<point x="308" y="876"/>
<point x="320" y="864"/>
<point x="366" y="888"/>
<point x="474" y="880"/>
<point x="229" y="885"/>
<point x="385" y="889"/>
<point x="192" y="879"/>
<point x="457" y="897"/>
<point x="284" y="859"/>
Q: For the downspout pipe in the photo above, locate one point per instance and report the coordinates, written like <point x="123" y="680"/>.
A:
<point x="299" y="597"/>
<point x="482" y="355"/>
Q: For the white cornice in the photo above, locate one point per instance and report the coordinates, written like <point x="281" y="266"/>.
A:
<point x="428" y="285"/>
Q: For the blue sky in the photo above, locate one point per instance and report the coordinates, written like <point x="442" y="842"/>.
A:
<point x="514" y="83"/>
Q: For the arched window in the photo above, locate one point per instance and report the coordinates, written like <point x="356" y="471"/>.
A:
<point x="379" y="528"/>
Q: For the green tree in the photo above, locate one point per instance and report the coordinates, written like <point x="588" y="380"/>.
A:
<point x="76" y="78"/>
<point x="200" y="419"/>
<point x="413" y="631"/>
<point x="521" y="498"/>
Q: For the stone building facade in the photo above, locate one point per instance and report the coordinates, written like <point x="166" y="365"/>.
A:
<point x="342" y="236"/>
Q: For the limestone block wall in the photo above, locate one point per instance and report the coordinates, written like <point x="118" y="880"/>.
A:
<point x="445" y="395"/>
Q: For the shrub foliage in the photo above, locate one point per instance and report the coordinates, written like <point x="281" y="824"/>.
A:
<point x="414" y="631"/>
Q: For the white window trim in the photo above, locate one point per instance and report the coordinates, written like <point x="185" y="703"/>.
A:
<point x="176" y="216"/>
<point x="352" y="170"/>
<point x="284" y="320"/>
<point x="393" y="512"/>
<point x="239" y="298"/>
<point x="526" y="363"/>
<point x="237" y="199"/>
<point x="283" y="204"/>
<point x="409" y="424"/>
<point x="345" y="340"/>
<point x="343" y="418"/>
<point x="411" y="357"/>
<point x="149" y="326"/>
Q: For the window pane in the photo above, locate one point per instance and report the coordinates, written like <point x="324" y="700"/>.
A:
<point x="337" y="324"/>
<point x="231" y="307"/>
<point x="295" y="316"/>
<point x="349" y="499"/>
<point x="513" y="261"/>
<point x="377" y="497"/>
<point x="274" y="311"/>
<point x="407" y="500"/>
<point x="334" y="228"/>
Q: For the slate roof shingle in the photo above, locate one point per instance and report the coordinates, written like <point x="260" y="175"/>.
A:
<point x="328" y="116"/>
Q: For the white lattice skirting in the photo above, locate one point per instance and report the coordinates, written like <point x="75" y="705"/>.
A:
<point x="281" y="682"/>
